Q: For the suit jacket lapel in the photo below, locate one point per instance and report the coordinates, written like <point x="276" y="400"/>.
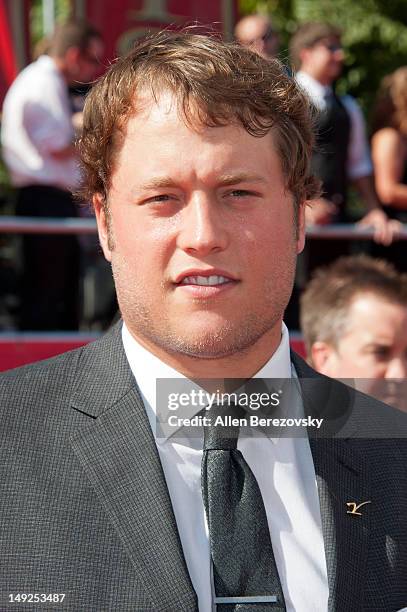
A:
<point x="342" y="477"/>
<point x="118" y="453"/>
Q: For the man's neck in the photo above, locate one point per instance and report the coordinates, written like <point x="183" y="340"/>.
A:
<point x="62" y="69"/>
<point x="320" y="78"/>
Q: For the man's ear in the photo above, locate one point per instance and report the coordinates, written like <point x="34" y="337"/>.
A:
<point x="301" y="227"/>
<point x="104" y="229"/>
<point x="304" y="55"/>
<point x="323" y="358"/>
<point x="72" y="56"/>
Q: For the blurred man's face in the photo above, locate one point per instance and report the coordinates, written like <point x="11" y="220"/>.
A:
<point x="324" y="60"/>
<point x="373" y="348"/>
<point x="258" y="34"/>
<point x="88" y="62"/>
<point x="202" y="235"/>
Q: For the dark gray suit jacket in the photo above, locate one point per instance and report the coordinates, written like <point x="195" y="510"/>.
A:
<point x="85" y="510"/>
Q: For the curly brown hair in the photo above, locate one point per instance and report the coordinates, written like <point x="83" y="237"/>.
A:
<point x="214" y="83"/>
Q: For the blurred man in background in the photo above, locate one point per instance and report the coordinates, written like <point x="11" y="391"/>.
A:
<point x="354" y="321"/>
<point x="341" y="155"/>
<point x="257" y="33"/>
<point x="38" y="133"/>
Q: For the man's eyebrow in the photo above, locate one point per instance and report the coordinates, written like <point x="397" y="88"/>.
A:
<point x="241" y="177"/>
<point x="160" y="182"/>
<point x="165" y="182"/>
<point x="378" y="343"/>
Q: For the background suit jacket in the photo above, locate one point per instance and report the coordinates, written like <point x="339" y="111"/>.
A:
<point x="85" y="510"/>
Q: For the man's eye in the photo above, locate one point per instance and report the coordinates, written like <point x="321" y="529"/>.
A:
<point x="160" y="198"/>
<point x="239" y="193"/>
<point x="381" y="352"/>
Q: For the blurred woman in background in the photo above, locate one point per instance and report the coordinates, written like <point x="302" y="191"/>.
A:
<point x="389" y="154"/>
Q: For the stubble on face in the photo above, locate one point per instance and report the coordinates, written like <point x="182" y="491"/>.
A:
<point x="227" y="340"/>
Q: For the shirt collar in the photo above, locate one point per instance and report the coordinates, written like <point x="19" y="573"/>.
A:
<point x="315" y="90"/>
<point x="147" y="368"/>
<point x="47" y="62"/>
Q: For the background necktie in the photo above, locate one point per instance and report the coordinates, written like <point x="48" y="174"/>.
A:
<point x="241" y="550"/>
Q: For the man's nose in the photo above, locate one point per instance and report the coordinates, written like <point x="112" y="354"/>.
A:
<point x="203" y="227"/>
<point x="397" y="368"/>
<point x="339" y="54"/>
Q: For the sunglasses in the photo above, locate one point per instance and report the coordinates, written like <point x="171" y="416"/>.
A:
<point x="90" y="58"/>
<point x="268" y="35"/>
<point x="332" y="47"/>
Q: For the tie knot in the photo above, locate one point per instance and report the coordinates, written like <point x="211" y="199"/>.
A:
<point x="223" y="432"/>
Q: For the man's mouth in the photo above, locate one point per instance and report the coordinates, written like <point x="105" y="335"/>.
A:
<point x="205" y="281"/>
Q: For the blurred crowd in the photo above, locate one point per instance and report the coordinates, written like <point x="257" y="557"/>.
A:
<point x="42" y="118"/>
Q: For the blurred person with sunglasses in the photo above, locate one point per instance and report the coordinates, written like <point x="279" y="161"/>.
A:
<point x="341" y="154"/>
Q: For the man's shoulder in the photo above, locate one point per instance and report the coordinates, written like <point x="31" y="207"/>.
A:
<point x="35" y="406"/>
<point x="40" y="378"/>
<point x="32" y="81"/>
<point x="92" y="372"/>
<point x="60" y="371"/>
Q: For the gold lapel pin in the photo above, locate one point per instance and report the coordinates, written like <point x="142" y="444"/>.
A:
<point x="354" y="507"/>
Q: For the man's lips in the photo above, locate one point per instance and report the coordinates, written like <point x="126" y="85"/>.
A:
<point x="213" y="277"/>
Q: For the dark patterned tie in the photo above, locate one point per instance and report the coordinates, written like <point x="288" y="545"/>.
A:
<point x="244" y="569"/>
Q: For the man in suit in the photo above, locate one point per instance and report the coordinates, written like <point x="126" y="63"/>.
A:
<point x="342" y="154"/>
<point x="197" y="156"/>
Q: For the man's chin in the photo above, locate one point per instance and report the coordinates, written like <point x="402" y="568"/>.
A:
<point x="391" y="392"/>
<point x="208" y="346"/>
<point x="213" y="343"/>
<point x="203" y="336"/>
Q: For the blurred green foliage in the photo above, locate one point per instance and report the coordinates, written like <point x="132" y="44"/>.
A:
<point x="62" y="11"/>
<point x="6" y="191"/>
<point x="374" y="36"/>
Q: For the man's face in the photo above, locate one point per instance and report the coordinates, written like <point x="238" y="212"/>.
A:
<point x="324" y="60"/>
<point x="88" y="62"/>
<point x="258" y="34"/>
<point x="373" y="347"/>
<point x="202" y="235"/>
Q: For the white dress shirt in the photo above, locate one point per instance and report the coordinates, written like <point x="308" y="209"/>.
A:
<point x="285" y="473"/>
<point x="36" y="122"/>
<point x="359" y="163"/>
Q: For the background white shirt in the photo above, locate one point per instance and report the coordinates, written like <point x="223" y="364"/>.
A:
<point x="285" y="473"/>
<point x="36" y="121"/>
